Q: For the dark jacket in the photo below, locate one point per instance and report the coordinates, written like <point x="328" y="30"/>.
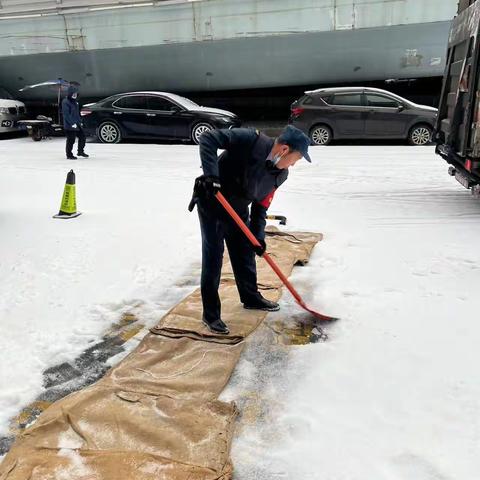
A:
<point x="71" y="111"/>
<point x="244" y="172"/>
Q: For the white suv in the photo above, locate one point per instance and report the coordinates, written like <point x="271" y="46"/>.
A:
<point x="10" y="112"/>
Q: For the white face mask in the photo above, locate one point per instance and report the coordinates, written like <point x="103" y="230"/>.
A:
<point x="74" y="96"/>
<point x="276" y="159"/>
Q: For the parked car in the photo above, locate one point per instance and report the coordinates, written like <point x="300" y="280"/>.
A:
<point x="152" y="115"/>
<point x="357" y="113"/>
<point x="11" y="111"/>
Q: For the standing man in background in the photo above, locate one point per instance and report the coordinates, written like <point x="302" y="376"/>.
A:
<point x="72" y="124"/>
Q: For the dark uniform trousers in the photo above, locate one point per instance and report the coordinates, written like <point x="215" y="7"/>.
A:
<point x="215" y="228"/>
<point x="71" y="134"/>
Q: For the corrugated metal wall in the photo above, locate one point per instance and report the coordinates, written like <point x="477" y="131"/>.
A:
<point x="339" y="13"/>
<point x="89" y="28"/>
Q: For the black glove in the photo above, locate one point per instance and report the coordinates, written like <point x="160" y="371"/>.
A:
<point x="206" y="186"/>
<point x="260" y="250"/>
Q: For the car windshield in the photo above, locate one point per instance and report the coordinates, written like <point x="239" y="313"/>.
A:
<point x="185" y="102"/>
<point x="5" y="94"/>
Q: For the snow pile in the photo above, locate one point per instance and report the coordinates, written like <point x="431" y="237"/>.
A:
<point x="63" y="282"/>
<point x="394" y="393"/>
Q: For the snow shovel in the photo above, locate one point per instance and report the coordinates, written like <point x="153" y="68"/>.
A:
<point x="269" y="260"/>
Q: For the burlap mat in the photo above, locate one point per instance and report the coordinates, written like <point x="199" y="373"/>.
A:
<point x="156" y="414"/>
<point x="181" y="368"/>
<point x="185" y="319"/>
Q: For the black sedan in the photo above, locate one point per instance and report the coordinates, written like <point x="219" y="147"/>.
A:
<point x="152" y="115"/>
<point x="360" y="112"/>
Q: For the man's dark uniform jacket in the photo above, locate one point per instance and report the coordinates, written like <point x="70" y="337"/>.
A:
<point x="244" y="172"/>
<point x="246" y="178"/>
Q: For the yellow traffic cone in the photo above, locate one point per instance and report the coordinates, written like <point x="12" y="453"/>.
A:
<point x="68" y="208"/>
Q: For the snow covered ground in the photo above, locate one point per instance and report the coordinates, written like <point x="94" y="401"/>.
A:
<point x="393" y="395"/>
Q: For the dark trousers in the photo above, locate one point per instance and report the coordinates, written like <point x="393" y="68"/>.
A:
<point x="71" y="134"/>
<point x="216" y="227"/>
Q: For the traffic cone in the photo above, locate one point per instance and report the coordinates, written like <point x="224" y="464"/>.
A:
<point x="68" y="208"/>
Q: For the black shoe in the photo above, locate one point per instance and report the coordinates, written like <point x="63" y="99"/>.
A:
<point x="217" y="326"/>
<point x="71" y="157"/>
<point x="82" y="154"/>
<point x="261" y="303"/>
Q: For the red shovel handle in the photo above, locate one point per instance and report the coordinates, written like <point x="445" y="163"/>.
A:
<point x="267" y="257"/>
<point x="256" y="243"/>
<point x="237" y="219"/>
<point x="283" y="278"/>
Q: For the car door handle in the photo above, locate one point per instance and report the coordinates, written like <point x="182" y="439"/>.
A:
<point x="151" y="114"/>
<point x="117" y="113"/>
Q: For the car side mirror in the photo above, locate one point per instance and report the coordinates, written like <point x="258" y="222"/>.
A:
<point x="401" y="108"/>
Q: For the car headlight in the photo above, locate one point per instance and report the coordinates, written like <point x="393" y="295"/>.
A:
<point x="3" y="110"/>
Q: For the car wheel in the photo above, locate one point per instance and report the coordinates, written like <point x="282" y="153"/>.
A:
<point x="109" y="132"/>
<point x="420" y="135"/>
<point x="36" y="135"/>
<point x="321" y="135"/>
<point x="198" y="130"/>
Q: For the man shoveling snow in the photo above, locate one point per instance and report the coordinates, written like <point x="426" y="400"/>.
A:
<point x="248" y="173"/>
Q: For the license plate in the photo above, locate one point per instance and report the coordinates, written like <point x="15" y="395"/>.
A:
<point x="463" y="180"/>
<point x="7" y="123"/>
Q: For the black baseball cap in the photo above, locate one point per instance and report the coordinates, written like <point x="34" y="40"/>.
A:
<point x="296" y="140"/>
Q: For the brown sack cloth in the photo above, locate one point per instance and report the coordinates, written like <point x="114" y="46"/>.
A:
<point x="156" y="414"/>
<point x="184" y="320"/>
<point x="180" y="368"/>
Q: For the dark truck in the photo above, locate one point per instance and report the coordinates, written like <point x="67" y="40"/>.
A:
<point x="457" y="132"/>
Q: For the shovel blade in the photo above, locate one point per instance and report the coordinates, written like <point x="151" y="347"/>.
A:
<point x="319" y="316"/>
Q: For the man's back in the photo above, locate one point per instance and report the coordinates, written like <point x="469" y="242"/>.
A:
<point x="242" y="168"/>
